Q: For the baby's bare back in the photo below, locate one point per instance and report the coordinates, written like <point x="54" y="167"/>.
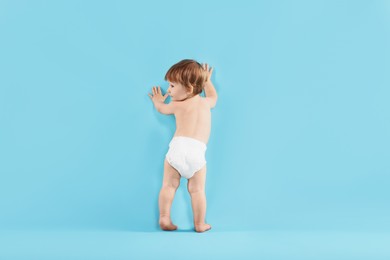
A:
<point x="193" y="119"/>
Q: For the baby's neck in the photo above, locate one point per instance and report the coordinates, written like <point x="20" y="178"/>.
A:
<point x="191" y="97"/>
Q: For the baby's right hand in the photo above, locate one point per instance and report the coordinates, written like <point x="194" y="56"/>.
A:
<point x="208" y="70"/>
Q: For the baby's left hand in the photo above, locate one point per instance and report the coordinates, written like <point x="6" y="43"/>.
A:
<point x="157" y="95"/>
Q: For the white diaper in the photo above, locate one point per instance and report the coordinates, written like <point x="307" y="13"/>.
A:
<point x="186" y="155"/>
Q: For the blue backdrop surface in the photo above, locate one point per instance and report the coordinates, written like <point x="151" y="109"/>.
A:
<point x="300" y="135"/>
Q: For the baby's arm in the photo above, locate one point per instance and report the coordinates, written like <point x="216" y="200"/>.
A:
<point x="211" y="93"/>
<point x="158" y="101"/>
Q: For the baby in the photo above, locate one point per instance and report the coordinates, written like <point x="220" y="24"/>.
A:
<point x="186" y="153"/>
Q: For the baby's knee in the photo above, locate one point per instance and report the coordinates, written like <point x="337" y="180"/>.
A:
<point x="195" y="188"/>
<point x="171" y="185"/>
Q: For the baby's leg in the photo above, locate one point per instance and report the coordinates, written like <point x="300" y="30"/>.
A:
<point x="171" y="182"/>
<point x="196" y="188"/>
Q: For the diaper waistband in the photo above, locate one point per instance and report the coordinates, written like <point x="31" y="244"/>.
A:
<point x="189" y="139"/>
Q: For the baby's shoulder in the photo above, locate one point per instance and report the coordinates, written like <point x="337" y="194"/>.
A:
<point x="198" y="104"/>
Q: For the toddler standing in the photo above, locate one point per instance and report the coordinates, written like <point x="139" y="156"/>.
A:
<point x="186" y="153"/>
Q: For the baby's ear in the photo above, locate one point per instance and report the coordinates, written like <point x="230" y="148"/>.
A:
<point x="191" y="89"/>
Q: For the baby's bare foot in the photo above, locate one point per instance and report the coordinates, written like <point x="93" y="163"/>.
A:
<point x="202" y="228"/>
<point x="166" y="224"/>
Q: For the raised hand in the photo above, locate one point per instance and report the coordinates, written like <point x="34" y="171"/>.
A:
<point x="157" y="95"/>
<point x="208" y="70"/>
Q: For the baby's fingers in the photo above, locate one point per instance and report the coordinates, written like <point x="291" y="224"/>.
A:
<point x="204" y="66"/>
<point x="208" y="68"/>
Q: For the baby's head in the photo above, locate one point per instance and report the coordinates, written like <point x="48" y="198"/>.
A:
<point x="186" y="79"/>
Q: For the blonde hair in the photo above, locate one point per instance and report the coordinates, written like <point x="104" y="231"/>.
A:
<point x="188" y="73"/>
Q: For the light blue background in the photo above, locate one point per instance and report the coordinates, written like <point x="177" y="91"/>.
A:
<point x="300" y="136"/>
